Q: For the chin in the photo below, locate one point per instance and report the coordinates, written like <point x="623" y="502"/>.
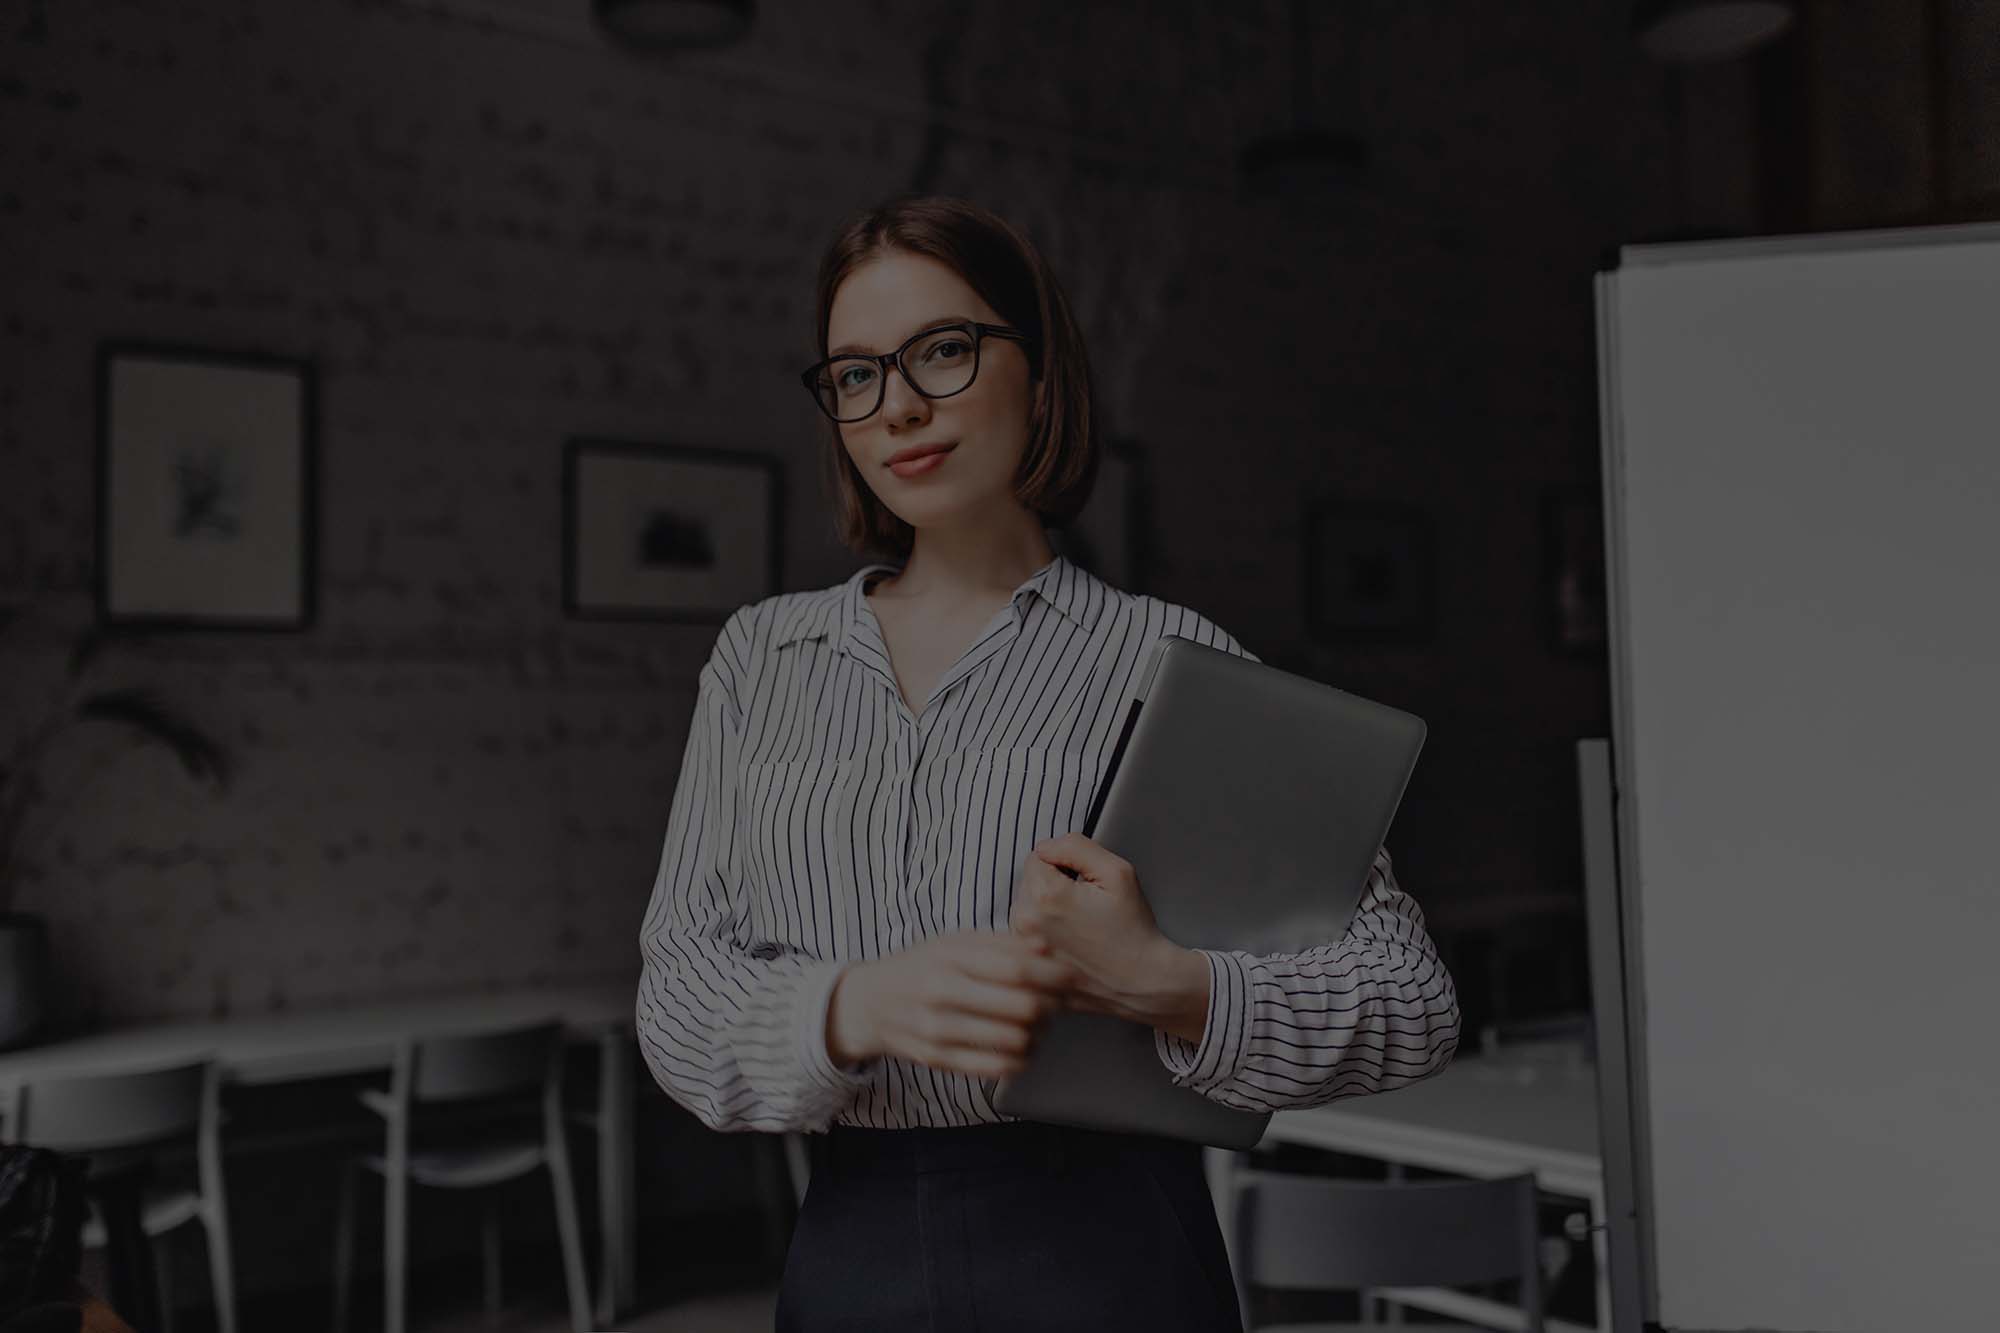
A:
<point x="942" y="511"/>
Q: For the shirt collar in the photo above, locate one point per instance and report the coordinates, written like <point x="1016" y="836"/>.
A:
<point x="1066" y="586"/>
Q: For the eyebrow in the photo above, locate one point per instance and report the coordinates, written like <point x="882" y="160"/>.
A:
<point x="941" y="320"/>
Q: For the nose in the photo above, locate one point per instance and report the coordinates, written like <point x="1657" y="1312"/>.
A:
<point x="901" y="402"/>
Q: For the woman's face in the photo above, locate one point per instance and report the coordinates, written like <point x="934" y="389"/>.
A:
<point x="876" y="307"/>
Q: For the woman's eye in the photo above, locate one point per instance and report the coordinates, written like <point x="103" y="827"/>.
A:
<point x="854" y="377"/>
<point x="937" y="350"/>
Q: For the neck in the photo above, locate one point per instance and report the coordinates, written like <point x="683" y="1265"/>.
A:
<point x="974" y="560"/>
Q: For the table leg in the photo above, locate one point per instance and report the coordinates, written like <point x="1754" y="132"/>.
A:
<point x="1386" y="1311"/>
<point x="1600" y="1251"/>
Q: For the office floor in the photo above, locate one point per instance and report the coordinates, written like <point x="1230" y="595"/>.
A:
<point x="725" y="1282"/>
<point x="724" y="1303"/>
<point x="733" y="1308"/>
<point x="715" y="1300"/>
<point x="748" y="1311"/>
<point x="731" y="1288"/>
<point x="754" y="1309"/>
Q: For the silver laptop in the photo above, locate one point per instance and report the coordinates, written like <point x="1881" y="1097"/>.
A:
<point x="1250" y="802"/>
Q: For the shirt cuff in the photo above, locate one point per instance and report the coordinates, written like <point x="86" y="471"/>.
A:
<point x="815" y="995"/>
<point x="1225" y="1037"/>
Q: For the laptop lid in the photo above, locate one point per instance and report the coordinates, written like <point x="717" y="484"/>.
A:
<point x="1250" y="802"/>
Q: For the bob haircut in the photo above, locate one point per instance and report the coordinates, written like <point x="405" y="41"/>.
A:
<point x="1059" y="465"/>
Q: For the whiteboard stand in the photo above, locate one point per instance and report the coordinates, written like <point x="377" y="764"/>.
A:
<point x="1616" y="1245"/>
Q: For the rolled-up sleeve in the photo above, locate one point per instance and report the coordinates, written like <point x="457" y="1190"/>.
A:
<point x="1374" y="1011"/>
<point x="737" y="1039"/>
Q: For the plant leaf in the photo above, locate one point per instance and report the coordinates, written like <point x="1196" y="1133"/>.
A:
<point x="146" y="713"/>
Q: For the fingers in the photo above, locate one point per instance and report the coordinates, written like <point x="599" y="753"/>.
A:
<point x="1013" y="961"/>
<point x="990" y="1000"/>
<point x="982" y="1047"/>
<point x="1048" y="974"/>
<point x="978" y="1064"/>
<point x="984" y="1034"/>
<point x="974" y="1002"/>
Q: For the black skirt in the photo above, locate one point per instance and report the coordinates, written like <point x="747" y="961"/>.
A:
<point x="998" y="1227"/>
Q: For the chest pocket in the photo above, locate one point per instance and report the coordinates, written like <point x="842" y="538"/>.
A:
<point x="1049" y="791"/>
<point x="795" y="838"/>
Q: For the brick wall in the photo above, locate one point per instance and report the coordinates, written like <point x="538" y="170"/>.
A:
<point x="489" y="232"/>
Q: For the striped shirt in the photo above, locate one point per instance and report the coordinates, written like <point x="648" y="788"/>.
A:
<point x="818" y="820"/>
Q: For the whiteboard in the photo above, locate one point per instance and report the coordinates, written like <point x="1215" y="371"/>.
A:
<point x="1802" y="492"/>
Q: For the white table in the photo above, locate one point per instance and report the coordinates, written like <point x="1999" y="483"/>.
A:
<point x="1532" y="1109"/>
<point x="362" y="1038"/>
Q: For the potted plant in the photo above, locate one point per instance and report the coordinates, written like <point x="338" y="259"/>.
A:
<point x="140" y="711"/>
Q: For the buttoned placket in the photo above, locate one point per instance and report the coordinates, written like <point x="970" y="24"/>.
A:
<point x="913" y="730"/>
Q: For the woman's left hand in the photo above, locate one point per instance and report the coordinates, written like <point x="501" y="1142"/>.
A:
<point x="1102" y="925"/>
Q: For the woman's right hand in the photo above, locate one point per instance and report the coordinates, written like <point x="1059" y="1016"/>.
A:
<point x="969" y="1002"/>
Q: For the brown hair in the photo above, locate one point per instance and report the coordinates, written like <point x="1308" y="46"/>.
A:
<point x="1059" y="465"/>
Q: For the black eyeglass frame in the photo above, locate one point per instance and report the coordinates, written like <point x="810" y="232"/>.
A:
<point x="980" y="332"/>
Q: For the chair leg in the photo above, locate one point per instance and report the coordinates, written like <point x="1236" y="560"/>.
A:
<point x="215" y="1209"/>
<point x="611" y="1098"/>
<point x="221" y="1266"/>
<point x="619" y="1107"/>
<point x="490" y="1227"/>
<point x="163" y="1279"/>
<point x="607" y="1186"/>
<point x="396" y="1248"/>
<point x="566" y="1225"/>
<point x="343" y="1246"/>
<point x="607" y="1284"/>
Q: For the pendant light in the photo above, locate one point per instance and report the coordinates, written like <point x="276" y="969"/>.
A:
<point x="1702" y="31"/>
<point x="1305" y="156"/>
<point x="675" y="25"/>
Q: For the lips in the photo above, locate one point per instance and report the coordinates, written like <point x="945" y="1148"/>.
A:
<point x="922" y="465"/>
<point x="918" y="451"/>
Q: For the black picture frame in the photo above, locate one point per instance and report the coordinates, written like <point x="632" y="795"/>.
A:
<point x="1574" y="609"/>
<point x="207" y="488"/>
<point x="668" y="532"/>
<point x="1370" y="572"/>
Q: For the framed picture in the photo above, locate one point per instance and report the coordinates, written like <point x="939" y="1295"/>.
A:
<point x="1368" y="572"/>
<point x="205" y="488"/>
<point x="666" y="532"/>
<point x="1573" y="569"/>
<point x="1106" y="538"/>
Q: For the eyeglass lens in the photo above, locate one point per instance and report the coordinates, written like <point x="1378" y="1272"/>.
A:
<point x="938" y="363"/>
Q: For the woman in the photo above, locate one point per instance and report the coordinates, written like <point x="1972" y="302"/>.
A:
<point x="862" y="913"/>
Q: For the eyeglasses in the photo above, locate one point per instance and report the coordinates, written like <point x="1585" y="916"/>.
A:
<point x="936" y="362"/>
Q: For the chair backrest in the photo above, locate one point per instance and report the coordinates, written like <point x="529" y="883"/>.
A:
<point x="1575" y="1029"/>
<point x="1326" y="1234"/>
<point x="95" y="1112"/>
<point x="485" y="1064"/>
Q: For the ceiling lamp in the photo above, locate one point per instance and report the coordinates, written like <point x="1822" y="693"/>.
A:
<point x="1697" y="31"/>
<point x="675" y="25"/>
<point x="1305" y="157"/>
